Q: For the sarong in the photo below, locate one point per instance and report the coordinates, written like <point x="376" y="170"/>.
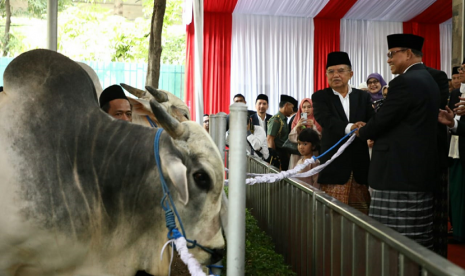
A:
<point x="353" y="194"/>
<point x="409" y="213"/>
<point x="441" y="213"/>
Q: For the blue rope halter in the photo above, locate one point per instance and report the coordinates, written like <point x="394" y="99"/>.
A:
<point x="335" y="145"/>
<point x="168" y="206"/>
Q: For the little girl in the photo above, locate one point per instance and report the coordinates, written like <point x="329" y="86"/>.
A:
<point x="308" y="143"/>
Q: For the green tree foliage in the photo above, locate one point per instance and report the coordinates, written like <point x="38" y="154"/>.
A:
<point x="173" y="39"/>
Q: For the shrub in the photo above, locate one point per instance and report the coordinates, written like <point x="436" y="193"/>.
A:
<point x="260" y="255"/>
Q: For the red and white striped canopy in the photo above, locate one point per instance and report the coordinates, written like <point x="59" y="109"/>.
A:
<point x="280" y="46"/>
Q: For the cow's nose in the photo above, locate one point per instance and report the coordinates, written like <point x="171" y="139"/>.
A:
<point x="217" y="255"/>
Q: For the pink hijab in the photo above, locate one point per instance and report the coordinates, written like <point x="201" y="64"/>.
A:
<point x="309" y="116"/>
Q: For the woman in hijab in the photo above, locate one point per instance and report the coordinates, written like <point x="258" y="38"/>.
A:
<point x="375" y="83"/>
<point x="300" y="123"/>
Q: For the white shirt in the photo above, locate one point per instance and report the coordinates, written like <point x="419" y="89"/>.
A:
<point x="454" y="140"/>
<point x="261" y="122"/>
<point x="257" y="140"/>
<point x="345" y="101"/>
<point x="412" y="65"/>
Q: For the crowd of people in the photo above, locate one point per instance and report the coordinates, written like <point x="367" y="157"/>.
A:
<point x="397" y="171"/>
<point x="404" y="164"/>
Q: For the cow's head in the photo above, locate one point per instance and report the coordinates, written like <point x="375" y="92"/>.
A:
<point x="198" y="179"/>
<point x="82" y="187"/>
<point x="141" y="106"/>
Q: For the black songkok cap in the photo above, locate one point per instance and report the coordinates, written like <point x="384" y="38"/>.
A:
<point x="1" y="88"/>
<point x="337" y="58"/>
<point x="463" y="62"/>
<point x="262" y="97"/>
<point x="409" y="41"/>
<point x="289" y="99"/>
<point x="111" y="93"/>
<point x="455" y="70"/>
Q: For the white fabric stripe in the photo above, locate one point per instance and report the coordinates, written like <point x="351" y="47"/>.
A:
<point x="366" y="44"/>
<point x="409" y="225"/>
<point x="396" y="192"/>
<point x="271" y="55"/>
<point x="401" y="209"/>
<point x="382" y="10"/>
<point x="402" y="200"/>
<point x="297" y="8"/>
<point x="401" y="218"/>
<point x="445" y="33"/>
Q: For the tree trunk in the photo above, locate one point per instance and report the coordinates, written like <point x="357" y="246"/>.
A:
<point x="6" y="38"/>
<point x="118" y="7"/>
<point x="153" y="67"/>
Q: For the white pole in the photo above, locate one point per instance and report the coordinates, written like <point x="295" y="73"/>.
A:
<point x="198" y="59"/>
<point x="214" y="128"/>
<point x="237" y="171"/>
<point x="52" y="24"/>
<point x="221" y="119"/>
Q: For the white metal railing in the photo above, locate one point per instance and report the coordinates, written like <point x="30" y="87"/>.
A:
<point x="318" y="235"/>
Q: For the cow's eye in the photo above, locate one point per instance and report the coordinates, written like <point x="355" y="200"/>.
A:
<point x="202" y="180"/>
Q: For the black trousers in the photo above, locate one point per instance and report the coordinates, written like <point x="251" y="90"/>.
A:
<point x="284" y="156"/>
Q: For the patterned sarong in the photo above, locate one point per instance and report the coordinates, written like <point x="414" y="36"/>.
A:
<point x="353" y="194"/>
<point x="409" y="213"/>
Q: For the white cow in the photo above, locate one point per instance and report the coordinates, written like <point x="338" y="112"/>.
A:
<point x="79" y="191"/>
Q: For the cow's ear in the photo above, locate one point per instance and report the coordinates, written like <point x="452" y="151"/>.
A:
<point x="140" y="106"/>
<point x="177" y="173"/>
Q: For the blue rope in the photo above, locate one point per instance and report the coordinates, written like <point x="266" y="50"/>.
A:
<point x="152" y="124"/>
<point x="335" y="145"/>
<point x="173" y="232"/>
<point x="210" y="272"/>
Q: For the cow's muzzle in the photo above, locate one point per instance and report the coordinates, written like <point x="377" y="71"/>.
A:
<point x="217" y="255"/>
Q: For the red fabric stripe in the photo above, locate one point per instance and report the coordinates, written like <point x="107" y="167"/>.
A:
<point x="426" y="24"/>
<point x="432" y="45"/>
<point x="326" y="40"/>
<point x="327" y="25"/>
<point x="217" y="57"/>
<point x="438" y="12"/>
<point x="222" y="6"/>
<point x="217" y="62"/>
<point x="336" y="9"/>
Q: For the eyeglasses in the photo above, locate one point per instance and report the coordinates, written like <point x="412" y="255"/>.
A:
<point x="391" y="53"/>
<point x="461" y="69"/>
<point x="206" y="122"/>
<point x="339" y="71"/>
<point x="375" y="81"/>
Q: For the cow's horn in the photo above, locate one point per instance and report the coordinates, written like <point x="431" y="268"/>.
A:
<point x="159" y="95"/>
<point x="134" y="91"/>
<point x="174" y="128"/>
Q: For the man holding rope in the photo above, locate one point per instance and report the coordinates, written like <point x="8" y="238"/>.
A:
<point x="402" y="170"/>
<point x="339" y="110"/>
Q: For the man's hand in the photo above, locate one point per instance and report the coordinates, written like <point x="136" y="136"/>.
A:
<point x="357" y="125"/>
<point x="446" y="117"/>
<point x="460" y="107"/>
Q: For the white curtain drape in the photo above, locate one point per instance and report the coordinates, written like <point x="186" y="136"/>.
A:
<point x="271" y="55"/>
<point x="297" y="8"/>
<point x="384" y="10"/>
<point x="445" y="31"/>
<point x="366" y="44"/>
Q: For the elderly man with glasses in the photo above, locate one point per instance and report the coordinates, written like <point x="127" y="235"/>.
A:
<point x="340" y="109"/>
<point x="403" y="170"/>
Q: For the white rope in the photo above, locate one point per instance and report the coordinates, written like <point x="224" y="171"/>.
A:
<point x="192" y="264"/>
<point x="188" y="259"/>
<point x="273" y="177"/>
<point x="163" y="250"/>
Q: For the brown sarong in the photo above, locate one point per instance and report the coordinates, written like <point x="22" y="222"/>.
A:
<point x="353" y="194"/>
